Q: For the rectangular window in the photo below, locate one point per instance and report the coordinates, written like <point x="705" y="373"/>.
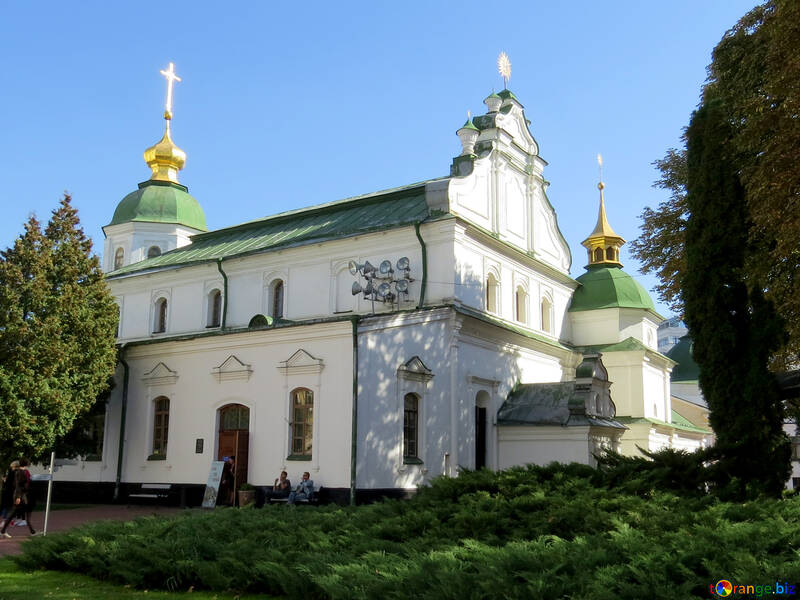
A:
<point x="302" y="422"/>
<point x="161" y="426"/>
<point x="410" y="426"/>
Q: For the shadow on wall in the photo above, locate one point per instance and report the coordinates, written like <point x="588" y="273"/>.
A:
<point x="434" y="337"/>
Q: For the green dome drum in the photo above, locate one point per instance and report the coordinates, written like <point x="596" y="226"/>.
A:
<point x="609" y="287"/>
<point x="161" y="202"/>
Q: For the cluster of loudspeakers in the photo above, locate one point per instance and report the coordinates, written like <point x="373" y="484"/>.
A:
<point x="381" y="280"/>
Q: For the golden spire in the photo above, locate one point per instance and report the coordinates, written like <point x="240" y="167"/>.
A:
<point x="603" y="243"/>
<point x="165" y="158"/>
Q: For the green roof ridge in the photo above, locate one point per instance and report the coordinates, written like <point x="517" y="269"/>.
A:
<point x="660" y="423"/>
<point x="311" y="225"/>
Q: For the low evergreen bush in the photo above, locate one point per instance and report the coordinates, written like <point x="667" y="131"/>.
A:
<point x="527" y="532"/>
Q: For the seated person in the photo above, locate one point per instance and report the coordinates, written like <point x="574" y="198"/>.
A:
<point x="304" y="491"/>
<point x="281" y="489"/>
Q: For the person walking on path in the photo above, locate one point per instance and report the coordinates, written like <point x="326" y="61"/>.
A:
<point x="22" y="480"/>
<point x="7" y="494"/>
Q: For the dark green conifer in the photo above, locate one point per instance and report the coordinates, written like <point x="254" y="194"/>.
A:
<point x="735" y="330"/>
<point x="57" y="333"/>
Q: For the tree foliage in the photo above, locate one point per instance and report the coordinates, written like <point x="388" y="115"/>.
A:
<point x="57" y="333"/>
<point x="734" y="328"/>
<point x="660" y="247"/>
<point x="755" y="76"/>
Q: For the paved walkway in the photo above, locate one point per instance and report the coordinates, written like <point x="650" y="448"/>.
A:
<point x="67" y="518"/>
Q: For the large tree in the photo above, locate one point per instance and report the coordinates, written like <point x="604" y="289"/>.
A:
<point x="734" y="328"/>
<point x="57" y="334"/>
<point x="755" y="75"/>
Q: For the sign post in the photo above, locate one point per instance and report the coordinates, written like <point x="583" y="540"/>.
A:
<point x="48" y="477"/>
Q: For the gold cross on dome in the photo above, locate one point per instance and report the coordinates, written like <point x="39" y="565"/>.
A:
<point x="171" y="79"/>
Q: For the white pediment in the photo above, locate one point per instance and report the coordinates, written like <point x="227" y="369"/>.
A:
<point x="415" y="369"/>
<point x="231" y="369"/>
<point x="301" y="362"/>
<point x="161" y="374"/>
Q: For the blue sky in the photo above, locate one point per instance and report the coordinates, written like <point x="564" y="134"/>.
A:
<point x="283" y="106"/>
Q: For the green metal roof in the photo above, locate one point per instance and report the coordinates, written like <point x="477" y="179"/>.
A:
<point x="609" y="287"/>
<point x="160" y="202"/>
<point x="380" y="211"/>
<point x="489" y="318"/>
<point x="686" y="369"/>
<point x="674" y="425"/>
<point x="549" y="404"/>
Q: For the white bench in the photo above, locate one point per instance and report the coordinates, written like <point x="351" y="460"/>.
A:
<point x="313" y="500"/>
<point x="152" y="491"/>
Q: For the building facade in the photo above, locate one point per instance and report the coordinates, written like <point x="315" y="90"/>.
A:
<point x="379" y="341"/>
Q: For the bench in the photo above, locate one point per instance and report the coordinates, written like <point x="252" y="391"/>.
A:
<point x="152" y="491"/>
<point x="314" y="500"/>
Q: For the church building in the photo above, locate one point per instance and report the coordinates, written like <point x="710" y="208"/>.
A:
<point x="378" y="341"/>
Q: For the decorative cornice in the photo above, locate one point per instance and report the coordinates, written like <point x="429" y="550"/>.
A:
<point x="414" y="370"/>
<point x="161" y="374"/>
<point x="232" y="369"/>
<point x="301" y="362"/>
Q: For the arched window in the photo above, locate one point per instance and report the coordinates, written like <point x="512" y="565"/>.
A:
<point x="521" y="302"/>
<point x="234" y="417"/>
<point x="276" y="299"/>
<point x="598" y="255"/>
<point x="119" y="256"/>
<point x="411" y="426"/>
<point x="153" y="251"/>
<point x="302" y="424"/>
<point x="610" y="253"/>
<point x="214" y="308"/>
<point x="160" y="321"/>
<point x="160" y="425"/>
<point x="492" y="292"/>
<point x="547" y="315"/>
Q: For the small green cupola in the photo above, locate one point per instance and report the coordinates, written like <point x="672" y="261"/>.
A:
<point x="162" y="198"/>
<point x="160" y="215"/>
<point x="605" y="284"/>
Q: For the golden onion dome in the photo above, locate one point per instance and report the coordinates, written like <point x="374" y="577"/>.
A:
<point x="165" y="158"/>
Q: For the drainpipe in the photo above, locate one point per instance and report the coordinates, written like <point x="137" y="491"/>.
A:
<point x="354" y="426"/>
<point x="424" y="265"/>
<point x="224" y="293"/>
<point x="125" y="375"/>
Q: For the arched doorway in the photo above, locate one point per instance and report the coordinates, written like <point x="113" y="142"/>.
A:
<point x="234" y="438"/>
<point x="481" y="428"/>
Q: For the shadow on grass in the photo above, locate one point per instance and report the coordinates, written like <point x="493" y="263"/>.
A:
<point x="18" y="584"/>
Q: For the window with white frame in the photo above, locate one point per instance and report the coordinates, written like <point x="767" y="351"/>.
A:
<point x="160" y="426"/>
<point x="413" y="380"/>
<point x="302" y="425"/>
<point x="153" y="251"/>
<point x="410" y="427"/>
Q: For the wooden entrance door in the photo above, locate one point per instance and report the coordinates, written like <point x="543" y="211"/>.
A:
<point x="234" y="439"/>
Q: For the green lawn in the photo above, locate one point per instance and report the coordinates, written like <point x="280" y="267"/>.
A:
<point x="17" y="584"/>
